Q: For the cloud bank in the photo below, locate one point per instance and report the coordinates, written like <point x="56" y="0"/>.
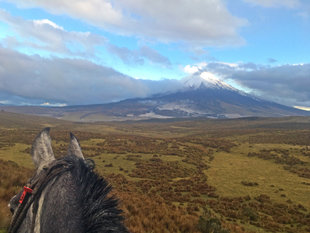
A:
<point x="288" y="84"/>
<point x="284" y="84"/>
<point x="67" y="80"/>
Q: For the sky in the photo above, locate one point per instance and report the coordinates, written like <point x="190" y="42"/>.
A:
<point x="57" y="53"/>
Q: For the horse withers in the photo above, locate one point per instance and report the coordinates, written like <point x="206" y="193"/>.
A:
<point x="64" y="195"/>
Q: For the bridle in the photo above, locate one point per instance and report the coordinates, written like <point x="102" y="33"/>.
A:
<point x="33" y="190"/>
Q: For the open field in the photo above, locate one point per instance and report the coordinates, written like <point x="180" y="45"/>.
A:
<point x="242" y="175"/>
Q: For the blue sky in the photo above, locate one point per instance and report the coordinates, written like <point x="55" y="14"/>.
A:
<point x="112" y="48"/>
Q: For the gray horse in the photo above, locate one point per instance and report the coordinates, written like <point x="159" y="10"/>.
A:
<point x="64" y="195"/>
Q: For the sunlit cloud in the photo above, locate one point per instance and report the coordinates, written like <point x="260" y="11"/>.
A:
<point x="303" y="108"/>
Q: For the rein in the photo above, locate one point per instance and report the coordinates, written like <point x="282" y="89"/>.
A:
<point x="33" y="191"/>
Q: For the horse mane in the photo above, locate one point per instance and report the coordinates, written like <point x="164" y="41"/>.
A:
<point x="99" y="211"/>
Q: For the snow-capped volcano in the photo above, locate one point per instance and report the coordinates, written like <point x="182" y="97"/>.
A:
<point x="200" y="95"/>
<point x="205" y="79"/>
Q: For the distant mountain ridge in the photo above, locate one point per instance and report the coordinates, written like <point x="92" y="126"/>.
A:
<point x="201" y="96"/>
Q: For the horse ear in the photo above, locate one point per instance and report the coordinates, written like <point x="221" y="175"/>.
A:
<point x="74" y="147"/>
<point x="42" y="152"/>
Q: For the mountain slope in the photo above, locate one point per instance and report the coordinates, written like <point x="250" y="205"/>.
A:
<point x="201" y="102"/>
<point x="201" y="96"/>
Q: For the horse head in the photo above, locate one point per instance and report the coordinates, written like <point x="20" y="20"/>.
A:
<point x="64" y="195"/>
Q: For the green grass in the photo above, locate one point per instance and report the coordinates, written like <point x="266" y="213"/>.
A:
<point x="228" y="170"/>
<point x="117" y="161"/>
<point x="15" y="153"/>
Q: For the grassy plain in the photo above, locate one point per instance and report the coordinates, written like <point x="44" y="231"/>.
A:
<point x="242" y="175"/>
<point x="228" y="170"/>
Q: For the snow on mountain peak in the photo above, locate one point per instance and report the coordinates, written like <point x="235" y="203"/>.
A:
<point x="206" y="79"/>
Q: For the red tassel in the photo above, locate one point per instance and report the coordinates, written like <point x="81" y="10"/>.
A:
<point x="26" y="190"/>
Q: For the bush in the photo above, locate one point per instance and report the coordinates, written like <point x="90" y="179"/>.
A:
<point x="212" y="225"/>
<point x="250" y="213"/>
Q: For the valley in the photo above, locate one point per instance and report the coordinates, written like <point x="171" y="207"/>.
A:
<point x="182" y="175"/>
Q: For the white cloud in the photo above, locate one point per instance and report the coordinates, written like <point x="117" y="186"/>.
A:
<point x="94" y="11"/>
<point x="199" y="22"/>
<point x="275" y="3"/>
<point x="47" y="104"/>
<point x="45" y="35"/>
<point x="190" y="69"/>
<point x="48" y="22"/>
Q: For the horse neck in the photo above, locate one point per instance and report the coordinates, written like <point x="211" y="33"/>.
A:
<point x="57" y="209"/>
